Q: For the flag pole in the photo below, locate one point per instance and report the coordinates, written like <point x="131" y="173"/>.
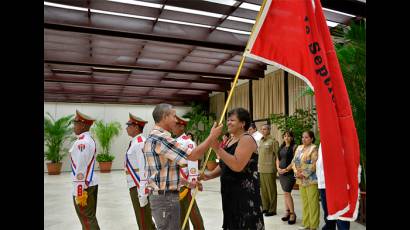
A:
<point x="224" y="111"/>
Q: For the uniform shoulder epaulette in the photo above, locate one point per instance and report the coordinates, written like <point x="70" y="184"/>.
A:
<point x="81" y="137"/>
<point x="139" y="139"/>
<point x="185" y="137"/>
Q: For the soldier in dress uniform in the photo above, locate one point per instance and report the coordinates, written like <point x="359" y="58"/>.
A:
<point x="136" y="176"/>
<point x="185" y="186"/>
<point x="85" y="182"/>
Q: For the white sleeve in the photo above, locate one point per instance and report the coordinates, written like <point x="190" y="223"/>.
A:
<point x="141" y="172"/>
<point x="83" y="154"/>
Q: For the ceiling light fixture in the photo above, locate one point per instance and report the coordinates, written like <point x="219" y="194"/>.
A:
<point x="110" y="70"/>
<point x="215" y="77"/>
<point x="233" y="31"/>
<point x="197" y="12"/>
<point x="183" y="23"/>
<point x="65" y="6"/>
<point x="138" y="3"/>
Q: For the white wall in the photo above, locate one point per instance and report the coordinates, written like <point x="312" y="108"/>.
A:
<point x="107" y="112"/>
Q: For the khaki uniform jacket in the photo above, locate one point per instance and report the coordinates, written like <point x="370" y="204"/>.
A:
<point x="268" y="152"/>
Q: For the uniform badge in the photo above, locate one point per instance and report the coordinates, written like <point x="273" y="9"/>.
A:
<point x="81" y="147"/>
<point x="190" y="146"/>
<point x="193" y="171"/>
<point x="80" y="176"/>
<point x="80" y="190"/>
<point x="139" y="139"/>
<point x="81" y="137"/>
<point x="185" y="137"/>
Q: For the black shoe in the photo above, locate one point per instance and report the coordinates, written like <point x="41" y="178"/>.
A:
<point x="286" y="218"/>
<point x="270" y="213"/>
<point x="294" y="219"/>
<point x="264" y="211"/>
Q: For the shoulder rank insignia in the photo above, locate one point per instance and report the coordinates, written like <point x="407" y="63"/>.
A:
<point x="139" y="139"/>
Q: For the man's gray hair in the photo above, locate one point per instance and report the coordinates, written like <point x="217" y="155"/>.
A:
<point x="267" y="126"/>
<point x="160" y="111"/>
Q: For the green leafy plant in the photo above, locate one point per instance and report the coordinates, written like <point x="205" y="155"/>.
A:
<point x="300" y="121"/>
<point x="105" y="132"/>
<point x="200" y="123"/>
<point x="56" y="132"/>
<point x="105" y="157"/>
<point x="352" y="59"/>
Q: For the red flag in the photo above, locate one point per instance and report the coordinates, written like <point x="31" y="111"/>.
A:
<point x="293" y="35"/>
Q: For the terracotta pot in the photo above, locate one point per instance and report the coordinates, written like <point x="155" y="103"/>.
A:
<point x="105" y="167"/>
<point x="211" y="165"/>
<point x="54" y="168"/>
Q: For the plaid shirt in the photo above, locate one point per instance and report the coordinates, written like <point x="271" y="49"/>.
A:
<point x="163" y="156"/>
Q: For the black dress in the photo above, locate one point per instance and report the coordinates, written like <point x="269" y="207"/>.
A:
<point x="287" y="180"/>
<point x="241" y="200"/>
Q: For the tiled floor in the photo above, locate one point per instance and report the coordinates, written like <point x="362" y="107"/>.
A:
<point x="114" y="210"/>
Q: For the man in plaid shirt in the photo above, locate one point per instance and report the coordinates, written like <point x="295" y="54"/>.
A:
<point x="163" y="156"/>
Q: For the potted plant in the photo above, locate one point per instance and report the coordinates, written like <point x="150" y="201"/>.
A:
<point x="104" y="133"/>
<point x="200" y="124"/>
<point x="56" y="132"/>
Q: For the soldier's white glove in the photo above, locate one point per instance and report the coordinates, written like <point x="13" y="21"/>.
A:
<point x="143" y="200"/>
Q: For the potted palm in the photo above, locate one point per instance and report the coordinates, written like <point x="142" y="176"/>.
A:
<point x="56" y="132"/>
<point x="105" y="132"/>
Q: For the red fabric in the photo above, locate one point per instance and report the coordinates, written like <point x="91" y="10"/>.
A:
<point x="294" y="34"/>
<point x="85" y="219"/>
<point x="75" y="166"/>
<point x="132" y="176"/>
<point x="88" y="170"/>
<point x="139" y="139"/>
<point x="185" y="176"/>
<point x="142" y="217"/>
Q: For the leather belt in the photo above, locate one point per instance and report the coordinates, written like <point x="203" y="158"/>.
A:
<point x="162" y="192"/>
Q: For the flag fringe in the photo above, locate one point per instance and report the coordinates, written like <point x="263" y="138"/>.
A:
<point x="281" y="67"/>
<point x="339" y="213"/>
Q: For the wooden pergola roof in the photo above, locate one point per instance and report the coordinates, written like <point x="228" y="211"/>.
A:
<point x="151" y="51"/>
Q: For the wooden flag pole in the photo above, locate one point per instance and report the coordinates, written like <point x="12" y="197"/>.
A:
<point x="223" y="113"/>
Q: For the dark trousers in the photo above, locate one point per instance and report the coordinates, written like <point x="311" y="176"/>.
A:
<point x="87" y="214"/>
<point x="143" y="215"/>
<point x="166" y="211"/>
<point x="331" y="224"/>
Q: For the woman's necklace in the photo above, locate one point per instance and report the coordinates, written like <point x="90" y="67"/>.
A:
<point x="235" y="139"/>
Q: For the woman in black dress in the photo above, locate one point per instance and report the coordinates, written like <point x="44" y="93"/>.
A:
<point x="286" y="175"/>
<point x="238" y="169"/>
